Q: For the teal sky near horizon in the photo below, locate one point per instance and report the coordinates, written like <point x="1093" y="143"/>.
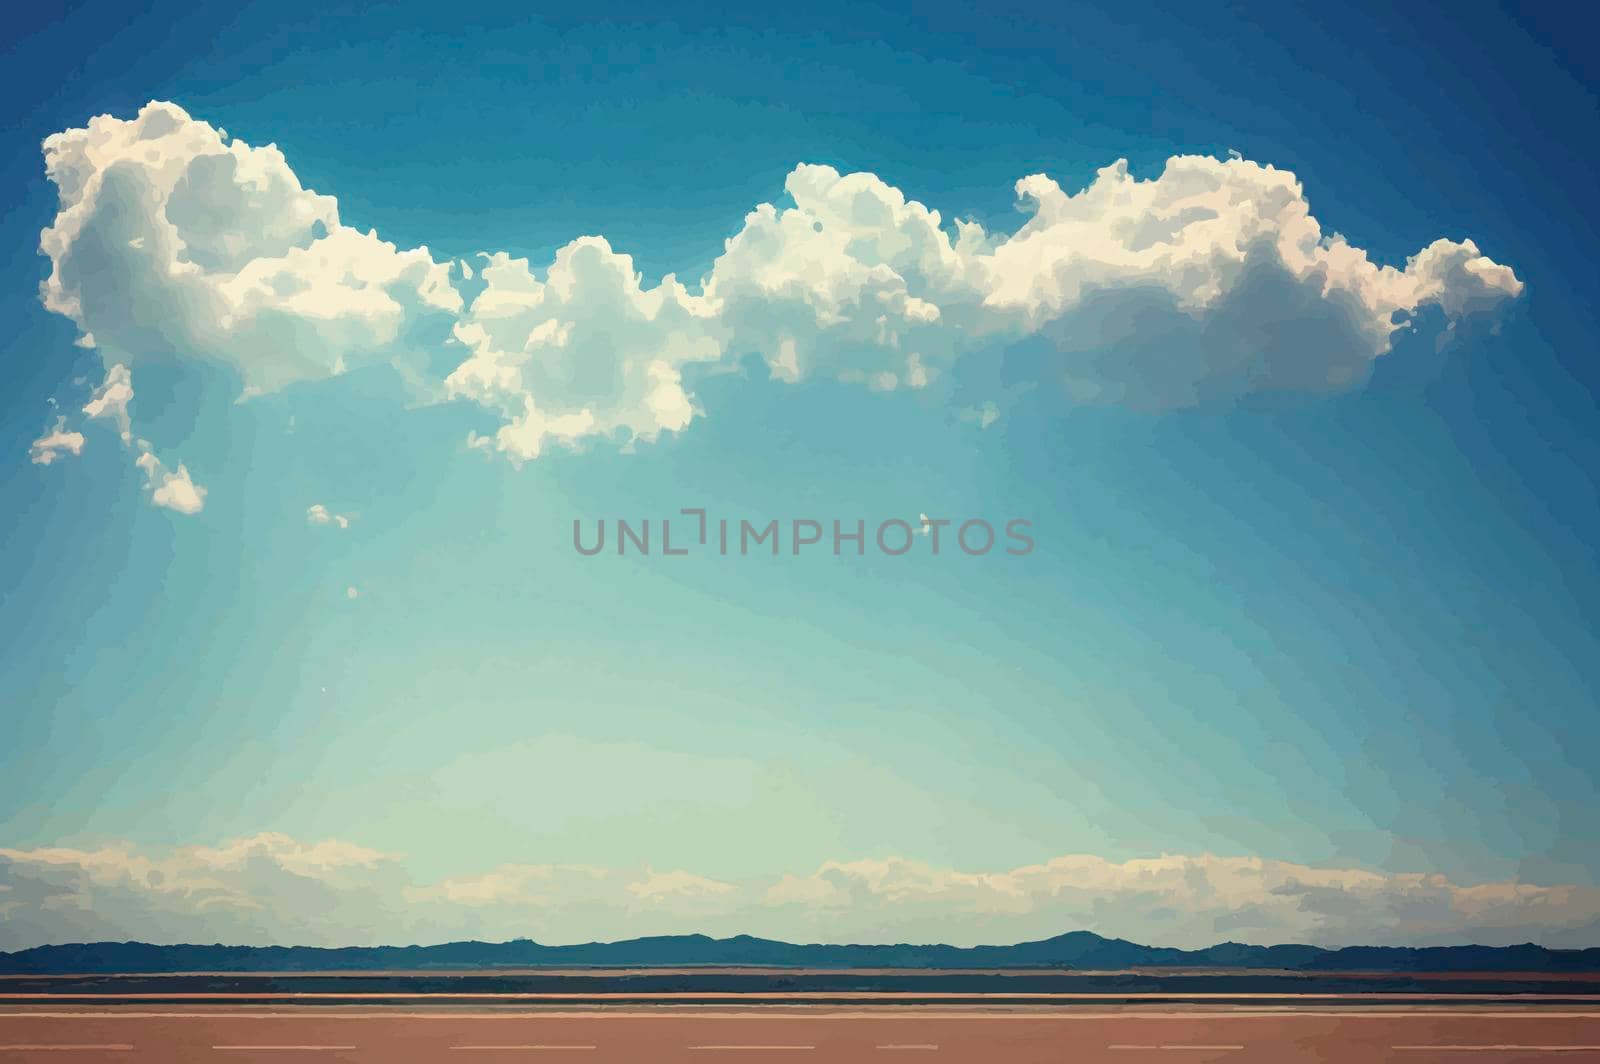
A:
<point x="1312" y="664"/>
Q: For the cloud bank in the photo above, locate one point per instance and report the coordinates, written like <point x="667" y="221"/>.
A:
<point x="273" y="888"/>
<point x="1206" y="282"/>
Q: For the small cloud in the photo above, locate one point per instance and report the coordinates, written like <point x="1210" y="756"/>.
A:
<point x="58" y="441"/>
<point x="925" y="524"/>
<point x="110" y="400"/>
<point x="984" y="415"/>
<point x="318" y="514"/>
<point x="351" y="593"/>
<point x="171" y="490"/>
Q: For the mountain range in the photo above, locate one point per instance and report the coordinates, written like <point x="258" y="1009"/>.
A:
<point x="1075" y="950"/>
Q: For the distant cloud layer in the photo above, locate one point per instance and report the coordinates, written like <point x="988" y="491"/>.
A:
<point x="1211" y="280"/>
<point x="273" y="888"/>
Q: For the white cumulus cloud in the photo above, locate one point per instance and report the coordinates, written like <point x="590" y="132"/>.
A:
<point x="172" y="242"/>
<point x="1202" y="283"/>
<point x="587" y="351"/>
<point x="1206" y="281"/>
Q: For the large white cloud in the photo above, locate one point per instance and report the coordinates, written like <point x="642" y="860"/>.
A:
<point x="173" y="242"/>
<point x="1205" y="282"/>
<point x="853" y="281"/>
<point x="273" y="888"/>
<point x="1212" y="280"/>
<point x="586" y="351"/>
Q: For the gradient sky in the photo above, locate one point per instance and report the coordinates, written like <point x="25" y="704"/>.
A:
<point x="1325" y="662"/>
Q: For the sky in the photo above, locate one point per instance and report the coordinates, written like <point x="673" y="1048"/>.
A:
<point x="326" y="324"/>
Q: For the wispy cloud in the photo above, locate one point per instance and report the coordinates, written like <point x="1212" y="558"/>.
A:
<point x="110" y="400"/>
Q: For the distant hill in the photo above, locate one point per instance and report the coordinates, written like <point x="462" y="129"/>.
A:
<point x="1076" y="950"/>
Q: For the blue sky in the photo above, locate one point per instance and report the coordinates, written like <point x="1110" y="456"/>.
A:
<point x="1288" y="662"/>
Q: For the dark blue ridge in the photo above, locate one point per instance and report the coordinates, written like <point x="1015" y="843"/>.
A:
<point x="1075" y="950"/>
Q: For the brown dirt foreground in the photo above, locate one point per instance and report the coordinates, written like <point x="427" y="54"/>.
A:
<point x="286" y="1035"/>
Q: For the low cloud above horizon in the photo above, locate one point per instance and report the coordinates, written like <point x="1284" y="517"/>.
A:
<point x="273" y="889"/>
<point x="175" y="244"/>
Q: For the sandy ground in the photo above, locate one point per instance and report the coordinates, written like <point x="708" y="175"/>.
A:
<point x="1355" y="1032"/>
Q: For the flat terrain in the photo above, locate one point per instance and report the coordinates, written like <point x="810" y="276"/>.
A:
<point x="485" y="1018"/>
<point x="635" y="1036"/>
